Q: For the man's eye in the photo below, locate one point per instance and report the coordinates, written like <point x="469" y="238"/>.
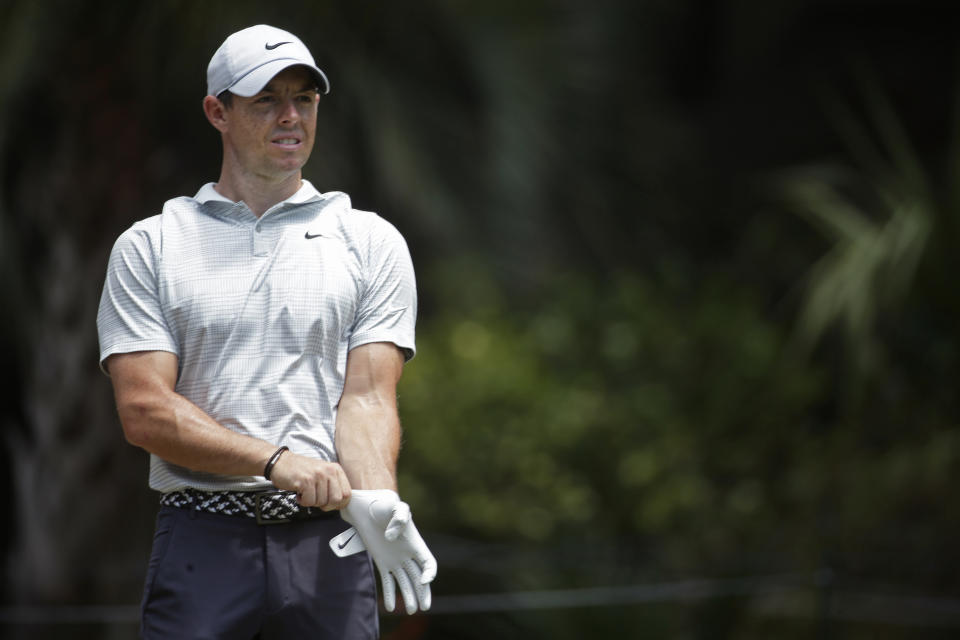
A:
<point x="264" y="99"/>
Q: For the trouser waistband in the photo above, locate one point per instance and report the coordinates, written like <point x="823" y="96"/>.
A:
<point x="267" y="507"/>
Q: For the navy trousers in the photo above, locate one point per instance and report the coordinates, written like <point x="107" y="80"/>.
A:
<point x="223" y="577"/>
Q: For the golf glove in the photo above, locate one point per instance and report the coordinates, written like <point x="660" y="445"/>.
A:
<point x="383" y="525"/>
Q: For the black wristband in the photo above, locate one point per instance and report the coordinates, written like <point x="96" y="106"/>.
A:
<point x="272" y="461"/>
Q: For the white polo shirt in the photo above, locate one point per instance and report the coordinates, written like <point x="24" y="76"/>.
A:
<point x="261" y="313"/>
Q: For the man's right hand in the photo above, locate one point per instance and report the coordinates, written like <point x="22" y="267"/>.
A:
<point x="317" y="483"/>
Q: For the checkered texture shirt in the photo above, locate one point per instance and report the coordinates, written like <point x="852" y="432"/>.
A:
<point x="261" y="313"/>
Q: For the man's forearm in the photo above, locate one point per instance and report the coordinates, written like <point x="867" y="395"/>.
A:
<point x="176" y="430"/>
<point x="158" y="419"/>
<point x="368" y="425"/>
<point x="368" y="442"/>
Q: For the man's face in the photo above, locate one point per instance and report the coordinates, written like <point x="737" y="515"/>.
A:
<point x="271" y="134"/>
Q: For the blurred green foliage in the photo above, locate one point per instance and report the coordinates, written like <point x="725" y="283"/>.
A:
<point x="670" y="422"/>
<point x="618" y="407"/>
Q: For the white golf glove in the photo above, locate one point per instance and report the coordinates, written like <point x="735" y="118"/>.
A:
<point x="385" y="527"/>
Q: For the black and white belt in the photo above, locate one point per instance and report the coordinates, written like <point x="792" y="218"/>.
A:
<point x="268" y="507"/>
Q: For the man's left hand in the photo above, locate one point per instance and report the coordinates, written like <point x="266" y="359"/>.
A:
<point x="385" y="525"/>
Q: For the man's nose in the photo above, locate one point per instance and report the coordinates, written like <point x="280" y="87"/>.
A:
<point x="289" y="113"/>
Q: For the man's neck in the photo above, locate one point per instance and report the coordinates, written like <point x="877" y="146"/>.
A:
<point x="258" y="195"/>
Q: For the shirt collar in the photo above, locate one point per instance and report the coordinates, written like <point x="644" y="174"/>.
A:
<point x="305" y="193"/>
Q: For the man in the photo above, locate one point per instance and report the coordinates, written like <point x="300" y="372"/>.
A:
<point x="255" y="335"/>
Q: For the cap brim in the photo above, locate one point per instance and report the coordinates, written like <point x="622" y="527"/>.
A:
<point x="252" y="83"/>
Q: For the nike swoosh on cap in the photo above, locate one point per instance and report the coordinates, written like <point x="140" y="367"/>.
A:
<point x="271" y="47"/>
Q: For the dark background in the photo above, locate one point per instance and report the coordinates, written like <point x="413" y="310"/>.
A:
<point x="688" y="324"/>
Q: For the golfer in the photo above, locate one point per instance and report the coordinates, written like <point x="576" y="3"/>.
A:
<point x="255" y="335"/>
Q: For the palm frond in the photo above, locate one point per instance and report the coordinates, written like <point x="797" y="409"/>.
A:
<point x="877" y="216"/>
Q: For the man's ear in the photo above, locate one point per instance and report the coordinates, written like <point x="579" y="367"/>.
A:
<point x="216" y="113"/>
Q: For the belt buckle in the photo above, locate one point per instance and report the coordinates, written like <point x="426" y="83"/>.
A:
<point x="258" y="507"/>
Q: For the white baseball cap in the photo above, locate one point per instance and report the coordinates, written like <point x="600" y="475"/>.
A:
<point x="248" y="59"/>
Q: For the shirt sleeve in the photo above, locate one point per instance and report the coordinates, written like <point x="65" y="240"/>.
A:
<point x="131" y="317"/>
<point x="388" y="306"/>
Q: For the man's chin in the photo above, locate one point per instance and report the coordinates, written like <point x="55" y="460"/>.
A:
<point x="287" y="166"/>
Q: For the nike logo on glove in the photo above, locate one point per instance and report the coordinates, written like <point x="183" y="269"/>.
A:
<point x="344" y="544"/>
<point x="347" y="543"/>
<point x="271" y="47"/>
